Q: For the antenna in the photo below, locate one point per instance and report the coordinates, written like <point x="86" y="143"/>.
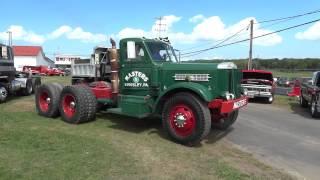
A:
<point x="161" y="27"/>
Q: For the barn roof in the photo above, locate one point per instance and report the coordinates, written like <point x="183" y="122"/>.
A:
<point x="26" y="50"/>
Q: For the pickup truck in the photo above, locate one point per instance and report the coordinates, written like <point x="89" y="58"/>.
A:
<point x="310" y="92"/>
<point x="258" y="84"/>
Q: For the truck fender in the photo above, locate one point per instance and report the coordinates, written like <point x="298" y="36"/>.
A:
<point x="198" y="89"/>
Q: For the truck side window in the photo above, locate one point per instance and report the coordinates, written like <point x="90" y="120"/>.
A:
<point x="4" y="54"/>
<point x="140" y="53"/>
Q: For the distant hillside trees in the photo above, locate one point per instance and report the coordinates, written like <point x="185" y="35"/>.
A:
<point x="281" y="64"/>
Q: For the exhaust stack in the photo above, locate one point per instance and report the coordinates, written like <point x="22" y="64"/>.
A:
<point x="113" y="56"/>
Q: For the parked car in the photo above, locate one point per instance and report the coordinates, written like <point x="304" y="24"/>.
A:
<point x="258" y="84"/>
<point x="310" y="94"/>
<point x="283" y="82"/>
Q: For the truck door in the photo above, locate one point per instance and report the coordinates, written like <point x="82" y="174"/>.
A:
<point x="7" y="69"/>
<point x="135" y="78"/>
<point x="135" y="71"/>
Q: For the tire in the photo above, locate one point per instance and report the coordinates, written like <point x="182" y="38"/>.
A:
<point x="36" y="83"/>
<point x="47" y="100"/>
<point x="194" y="117"/>
<point x="29" y="88"/>
<point x="303" y="102"/>
<point x="3" y="94"/>
<point x="77" y="104"/>
<point x="269" y="100"/>
<point x="313" y="108"/>
<point x="226" y="122"/>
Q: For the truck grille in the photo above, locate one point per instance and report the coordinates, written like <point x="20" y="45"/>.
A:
<point x="191" y="77"/>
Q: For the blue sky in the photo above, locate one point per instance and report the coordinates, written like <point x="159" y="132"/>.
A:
<point x="75" y="27"/>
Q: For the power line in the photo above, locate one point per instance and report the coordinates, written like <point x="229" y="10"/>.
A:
<point x="283" y="19"/>
<point x="289" y="17"/>
<point x="237" y="34"/>
<point x="256" y="37"/>
<point x="225" y="40"/>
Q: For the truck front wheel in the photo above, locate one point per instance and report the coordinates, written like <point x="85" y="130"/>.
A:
<point x="314" y="108"/>
<point x="186" y="119"/>
<point x="77" y="104"/>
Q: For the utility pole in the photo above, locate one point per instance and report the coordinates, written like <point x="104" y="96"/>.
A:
<point x="10" y="38"/>
<point x="250" y="50"/>
<point x="161" y="26"/>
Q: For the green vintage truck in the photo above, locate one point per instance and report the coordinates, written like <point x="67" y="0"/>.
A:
<point x="144" y="78"/>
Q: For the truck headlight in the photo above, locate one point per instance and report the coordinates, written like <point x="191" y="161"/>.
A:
<point x="245" y="92"/>
<point x="229" y="96"/>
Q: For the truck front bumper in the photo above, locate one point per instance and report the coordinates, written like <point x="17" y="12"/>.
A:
<point x="227" y="106"/>
<point x="254" y="94"/>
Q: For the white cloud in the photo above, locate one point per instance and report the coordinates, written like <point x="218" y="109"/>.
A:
<point x="167" y="23"/>
<point x="130" y="32"/>
<point x="209" y="29"/>
<point x="19" y="33"/>
<point x="60" y="32"/>
<point x="77" y="34"/>
<point x="312" y="33"/>
<point x="213" y="29"/>
<point x="197" y="18"/>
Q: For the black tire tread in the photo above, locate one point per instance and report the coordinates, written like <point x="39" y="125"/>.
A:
<point x="316" y="114"/>
<point x="303" y="102"/>
<point x="85" y="104"/>
<point x="54" y="94"/>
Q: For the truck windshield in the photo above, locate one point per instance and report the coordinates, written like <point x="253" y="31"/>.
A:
<point x="161" y="52"/>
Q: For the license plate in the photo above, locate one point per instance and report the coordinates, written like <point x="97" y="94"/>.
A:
<point x="239" y="104"/>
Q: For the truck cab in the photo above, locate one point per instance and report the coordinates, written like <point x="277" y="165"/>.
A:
<point x="145" y="79"/>
<point x="12" y="82"/>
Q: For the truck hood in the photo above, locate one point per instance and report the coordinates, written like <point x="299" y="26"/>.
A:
<point x="190" y="66"/>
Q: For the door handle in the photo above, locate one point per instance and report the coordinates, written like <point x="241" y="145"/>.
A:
<point x="122" y="65"/>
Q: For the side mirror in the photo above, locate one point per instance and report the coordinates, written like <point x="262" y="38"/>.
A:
<point x="131" y="50"/>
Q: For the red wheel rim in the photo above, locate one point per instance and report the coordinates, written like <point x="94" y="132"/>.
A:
<point x="44" y="101"/>
<point x="69" y="105"/>
<point x="182" y="120"/>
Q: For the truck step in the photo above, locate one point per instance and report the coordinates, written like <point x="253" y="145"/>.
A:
<point x="120" y="112"/>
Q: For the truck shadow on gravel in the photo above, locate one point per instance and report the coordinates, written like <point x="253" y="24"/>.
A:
<point x="153" y="125"/>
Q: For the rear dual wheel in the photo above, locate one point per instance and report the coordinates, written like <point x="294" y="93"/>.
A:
<point x="47" y="99"/>
<point x="186" y="119"/>
<point x="77" y="104"/>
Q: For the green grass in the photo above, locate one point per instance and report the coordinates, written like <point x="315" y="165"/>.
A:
<point x="112" y="147"/>
<point x="290" y="74"/>
<point x="280" y="100"/>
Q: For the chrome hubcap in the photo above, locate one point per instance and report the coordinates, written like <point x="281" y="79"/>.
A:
<point x="3" y="92"/>
<point x="48" y="100"/>
<point x="180" y="120"/>
<point x="72" y="104"/>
